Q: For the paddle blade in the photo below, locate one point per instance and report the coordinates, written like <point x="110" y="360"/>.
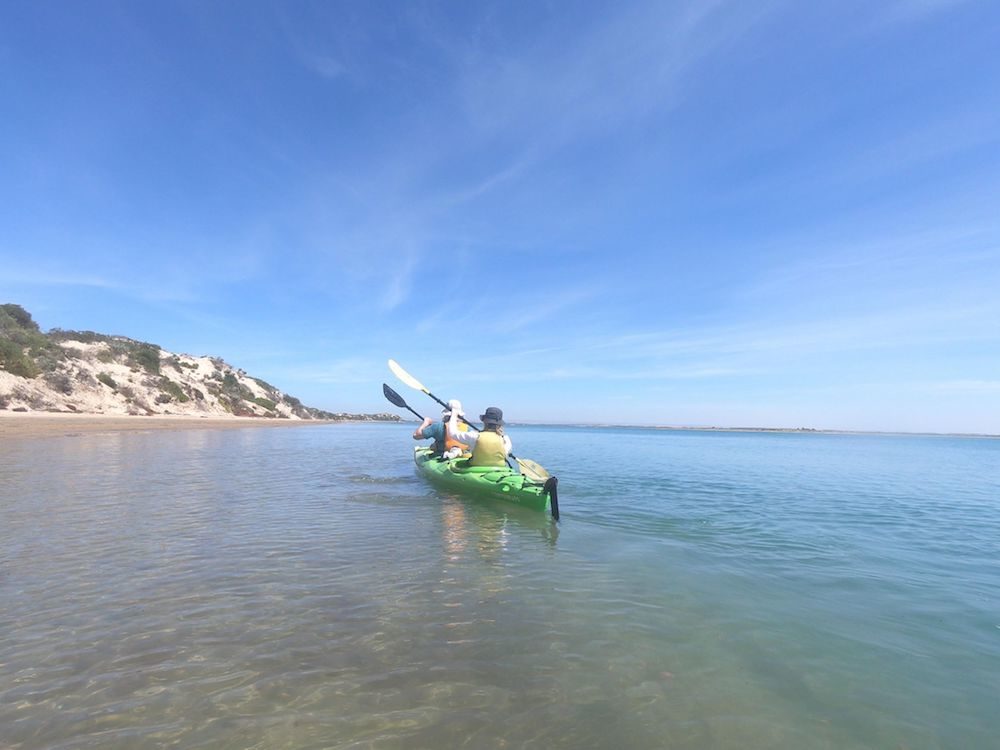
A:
<point x="403" y="375"/>
<point x="532" y="470"/>
<point x="393" y="397"/>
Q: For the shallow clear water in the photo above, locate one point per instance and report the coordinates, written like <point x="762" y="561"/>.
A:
<point x="304" y="588"/>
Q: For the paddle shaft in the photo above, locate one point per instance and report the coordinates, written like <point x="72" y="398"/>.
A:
<point x="414" y="412"/>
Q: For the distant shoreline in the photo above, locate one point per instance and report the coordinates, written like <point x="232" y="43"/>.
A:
<point x="38" y="424"/>
<point x="780" y="430"/>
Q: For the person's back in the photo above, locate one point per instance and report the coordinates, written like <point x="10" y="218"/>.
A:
<point x="492" y="446"/>
<point x="489" y="450"/>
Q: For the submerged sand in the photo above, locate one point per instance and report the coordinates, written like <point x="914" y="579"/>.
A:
<point x="15" y="425"/>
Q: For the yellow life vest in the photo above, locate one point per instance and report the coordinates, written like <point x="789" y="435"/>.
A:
<point x="489" y="450"/>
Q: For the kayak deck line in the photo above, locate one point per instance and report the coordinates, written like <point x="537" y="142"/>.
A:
<point x="493" y="482"/>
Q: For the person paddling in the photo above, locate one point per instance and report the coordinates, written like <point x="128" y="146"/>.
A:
<point x="490" y="446"/>
<point x="445" y="444"/>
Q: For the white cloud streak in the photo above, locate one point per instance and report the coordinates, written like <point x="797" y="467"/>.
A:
<point x="972" y="387"/>
<point x="743" y="350"/>
<point x="625" y="67"/>
<point x="911" y="11"/>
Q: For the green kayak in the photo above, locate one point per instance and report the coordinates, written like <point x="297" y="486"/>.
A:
<point x="488" y="482"/>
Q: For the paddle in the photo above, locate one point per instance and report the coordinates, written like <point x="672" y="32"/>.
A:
<point x="398" y="400"/>
<point x="529" y="468"/>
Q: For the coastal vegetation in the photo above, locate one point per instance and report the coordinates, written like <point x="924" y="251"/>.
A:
<point x="89" y="372"/>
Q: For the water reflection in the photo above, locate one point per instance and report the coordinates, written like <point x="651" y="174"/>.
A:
<point x="455" y="529"/>
<point x="483" y="552"/>
<point x="489" y="528"/>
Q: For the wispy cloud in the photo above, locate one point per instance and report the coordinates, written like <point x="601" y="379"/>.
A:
<point x="946" y="266"/>
<point x="25" y="277"/>
<point x="548" y="306"/>
<point x="162" y="289"/>
<point x="889" y="163"/>
<point x="743" y="350"/>
<point x="899" y="152"/>
<point x="321" y="44"/>
<point x="908" y="11"/>
<point x="400" y="282"/>
<point x="325" y="65"/>
<point x="484" y="186"/>
<point x="622" y="67"/>
<point x="972" y="387"/>
<point x="348" y="370"/>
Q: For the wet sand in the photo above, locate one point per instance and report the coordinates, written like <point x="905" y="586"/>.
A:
<point x="17" y="425"/>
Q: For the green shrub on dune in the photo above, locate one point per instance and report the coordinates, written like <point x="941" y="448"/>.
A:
<point x="265" y="402"/>
<point x="19" y="334"/>
<point x="172" y="390"/>
<point x="15" y="361"/>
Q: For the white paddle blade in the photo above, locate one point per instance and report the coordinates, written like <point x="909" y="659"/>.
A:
<point x="403" y="375"/>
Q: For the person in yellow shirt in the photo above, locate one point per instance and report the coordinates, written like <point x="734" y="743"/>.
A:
<point x="490" y="446"/>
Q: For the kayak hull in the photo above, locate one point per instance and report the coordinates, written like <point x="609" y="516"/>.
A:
<point x="493" y="483"/>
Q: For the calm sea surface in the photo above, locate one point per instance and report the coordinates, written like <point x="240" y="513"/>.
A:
<point x="304" y="588"/>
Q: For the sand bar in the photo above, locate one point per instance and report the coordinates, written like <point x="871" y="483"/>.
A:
<point x="18" y="425"/>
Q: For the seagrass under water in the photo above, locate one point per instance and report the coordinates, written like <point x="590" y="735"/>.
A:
<point x="305" y="588"/>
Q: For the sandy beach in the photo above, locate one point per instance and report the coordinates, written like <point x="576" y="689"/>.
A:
<point x="17" y="425"/>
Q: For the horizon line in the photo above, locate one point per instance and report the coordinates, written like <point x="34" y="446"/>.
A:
<point x="711" y="428"/>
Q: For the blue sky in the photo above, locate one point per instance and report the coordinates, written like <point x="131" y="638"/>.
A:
<point x="776" y="214"/>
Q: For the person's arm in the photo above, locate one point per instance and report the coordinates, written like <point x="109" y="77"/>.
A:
<point x="469" y="438"/>
<point x="418" y="434"/>
<point x="507" y="445"/>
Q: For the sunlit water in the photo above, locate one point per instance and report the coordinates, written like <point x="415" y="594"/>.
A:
<point x="304" y="588"/>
